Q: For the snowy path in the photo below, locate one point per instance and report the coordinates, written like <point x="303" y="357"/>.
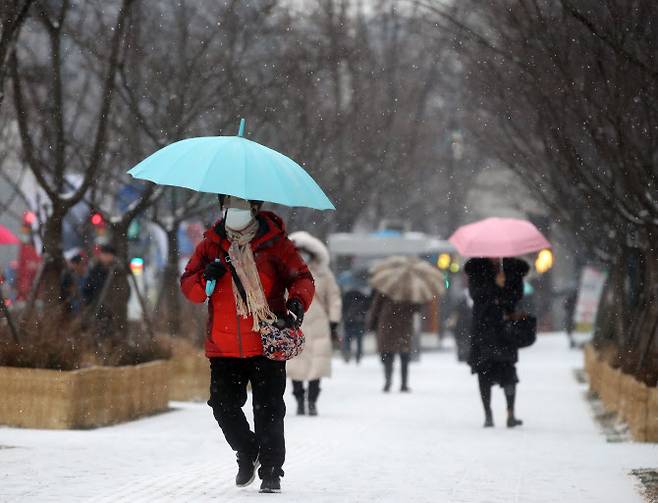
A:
<point x="365" y="446"/>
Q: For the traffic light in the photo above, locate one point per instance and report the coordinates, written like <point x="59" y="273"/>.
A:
<point x="544" y="261"/>
<point x="137" y="266"/>
<point x="443" y="262"/>
<point x="134" y="229"/>
<point x="98" y="223"/>
<point x="29" y="217"/>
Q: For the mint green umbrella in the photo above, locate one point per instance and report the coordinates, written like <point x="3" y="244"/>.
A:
<point x="235" y="166"/>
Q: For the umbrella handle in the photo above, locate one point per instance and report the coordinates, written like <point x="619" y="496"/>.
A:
<point x="210" y="284"/>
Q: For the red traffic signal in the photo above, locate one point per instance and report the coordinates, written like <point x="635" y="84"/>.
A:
<point x="97" y="219"/>
<point x="29" y="217"/>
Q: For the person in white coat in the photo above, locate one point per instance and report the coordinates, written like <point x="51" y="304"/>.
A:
<point x="320" y="325"/>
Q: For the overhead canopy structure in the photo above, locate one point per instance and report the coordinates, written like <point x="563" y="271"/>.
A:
<point x="383" y="245"/>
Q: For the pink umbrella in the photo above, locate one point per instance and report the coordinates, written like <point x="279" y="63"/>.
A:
<point x="498" y="237"/>
<point x="7" y="237"/>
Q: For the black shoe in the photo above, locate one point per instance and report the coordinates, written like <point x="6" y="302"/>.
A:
<point x="271" y="481"/>
<point x="405" y="389"/>
<point x="300" y="407"/>
<point x="312" y="410"/>
<point x="488" y="420"/>
<point x="512" y="422"/>
<point x="247" y="467"/>
<point x="387" y="387"/>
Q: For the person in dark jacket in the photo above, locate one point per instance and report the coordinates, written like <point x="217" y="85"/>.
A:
<point x="355" y="310"/>
<point x="72" y="284"/>
<point x="106" y="292"/>
<point x="496" y="286"/>
<point x="394" y="325"/>
<point x="460" y="322"/>
<point x="252" y="246"/>
<point x="570" y="303"/>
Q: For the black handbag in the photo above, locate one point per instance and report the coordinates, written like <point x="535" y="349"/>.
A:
<point x="521" y="333"/>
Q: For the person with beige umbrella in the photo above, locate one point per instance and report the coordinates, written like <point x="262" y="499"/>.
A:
<point x="402" y="285"/>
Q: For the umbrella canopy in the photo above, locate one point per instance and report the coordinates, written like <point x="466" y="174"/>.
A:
<point x="7" y="237"/>
<point x="235" y="166"/>
<point x="498" y="237"/>
<point x="407" y="279"/>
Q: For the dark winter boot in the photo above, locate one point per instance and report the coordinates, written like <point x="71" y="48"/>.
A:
<point x="301" y="410"/>
<point x="510" y="396"/>
<point x="485" y="395"/>
<point x="247" y="466"/>
<point x="271" y="480"/>
<point x="404" y="372"/>
<point x="299" y="394"/>
<point x="313" y="394"/>
<point x="387" y="359"/>
<point x="512" y="421"/>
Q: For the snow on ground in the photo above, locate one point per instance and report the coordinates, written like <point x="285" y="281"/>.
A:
<point x="428" y="446"/>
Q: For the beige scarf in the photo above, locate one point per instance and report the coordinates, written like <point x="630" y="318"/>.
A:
<point x="242" y="259"/>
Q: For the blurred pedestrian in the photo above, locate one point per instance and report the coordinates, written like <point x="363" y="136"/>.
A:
<point x="496" y="287"/>
<point x="254" y="266"/>
<point x="355" y="309"/>
<point x="460" y="323"/>
<point x="320" y="325"/>
<point x="72" y="284"/>
<point x="570" y="303"/>
<point x="106" y="292"/>
<point x="393" y="322"/>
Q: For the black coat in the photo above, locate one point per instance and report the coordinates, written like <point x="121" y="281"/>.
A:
<point x="490" y="304"/>
<point x="355" y="309"/>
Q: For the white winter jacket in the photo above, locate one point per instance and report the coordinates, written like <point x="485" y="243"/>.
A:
<point x="315" y="361"/>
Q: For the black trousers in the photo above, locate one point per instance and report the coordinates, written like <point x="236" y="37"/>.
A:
<point x="228" y="394"/>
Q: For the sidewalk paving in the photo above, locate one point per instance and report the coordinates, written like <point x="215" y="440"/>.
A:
<point x="428" y="446"/>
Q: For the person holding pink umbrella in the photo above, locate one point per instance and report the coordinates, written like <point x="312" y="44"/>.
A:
<point x="496" y="286"/>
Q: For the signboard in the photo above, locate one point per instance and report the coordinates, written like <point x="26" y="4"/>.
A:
<point x="592" y="281"/>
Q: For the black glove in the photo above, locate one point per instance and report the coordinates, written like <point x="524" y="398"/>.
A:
<point x="214" y="270"/>
<point x="295" y="307"/>
<point x="334" y="331"/>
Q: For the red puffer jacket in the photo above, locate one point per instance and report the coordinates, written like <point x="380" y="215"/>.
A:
<point x="281" y="269"/>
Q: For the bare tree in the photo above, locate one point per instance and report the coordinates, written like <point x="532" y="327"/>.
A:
<point x="565" y="96"/>
<point x="49" y="105"/>
<point x="13" y="14"/>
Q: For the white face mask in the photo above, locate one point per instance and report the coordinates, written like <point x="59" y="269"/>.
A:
<point x="238" y="218"/>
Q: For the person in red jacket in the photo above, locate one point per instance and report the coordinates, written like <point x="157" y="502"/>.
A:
<point x="251" y="246"/>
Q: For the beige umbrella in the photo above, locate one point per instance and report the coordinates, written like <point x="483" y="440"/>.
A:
<point x="407" y="279"/>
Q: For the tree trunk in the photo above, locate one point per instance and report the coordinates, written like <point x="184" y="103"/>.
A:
<point x="54" y="263"/>
<point x="171" y="290"/>
<point x="118" y="233"/>
<point x="642" y="360"/>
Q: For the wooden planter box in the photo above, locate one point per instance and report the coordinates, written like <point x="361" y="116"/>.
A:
<point x="189" y="377"/>
<point x="86" y="398"/>
<point x="634" y="401"/>
<point x="652" y="415"/>
<point x="610" y="384"/>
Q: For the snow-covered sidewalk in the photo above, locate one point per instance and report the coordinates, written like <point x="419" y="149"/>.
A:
<point x="427" y="446"/>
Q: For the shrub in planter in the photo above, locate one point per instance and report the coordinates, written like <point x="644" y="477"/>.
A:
<point x="61" y="376"/>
